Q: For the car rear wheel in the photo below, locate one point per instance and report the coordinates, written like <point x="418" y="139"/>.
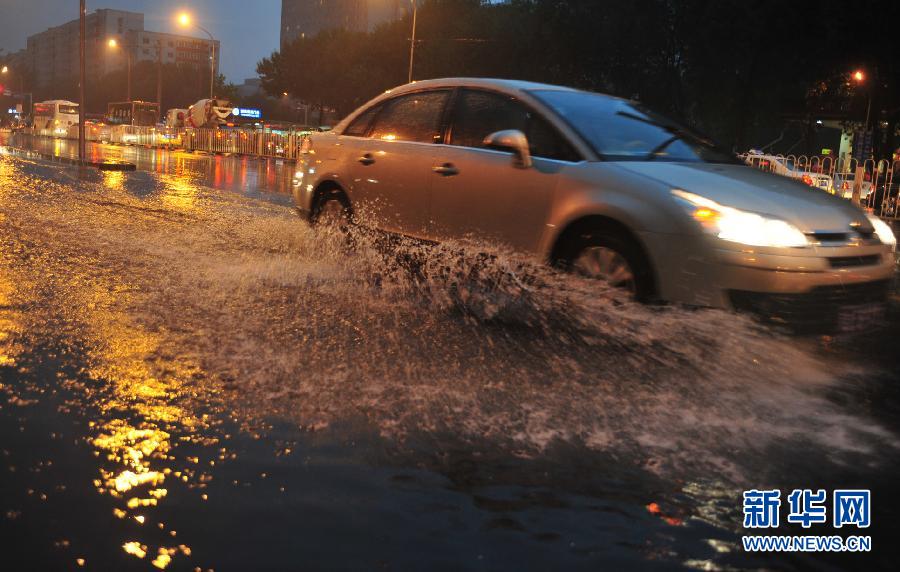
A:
<point x="610" y="256"/>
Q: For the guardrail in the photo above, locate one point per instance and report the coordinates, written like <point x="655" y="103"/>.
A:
<point x="881" y="189"/>
<point x="245" y="142"/>
<point x="255" y="142"/>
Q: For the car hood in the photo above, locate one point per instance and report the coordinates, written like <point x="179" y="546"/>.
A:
<point x="746" y="188"/>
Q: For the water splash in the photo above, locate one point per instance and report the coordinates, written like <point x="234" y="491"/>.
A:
<point x="460" y="341"/>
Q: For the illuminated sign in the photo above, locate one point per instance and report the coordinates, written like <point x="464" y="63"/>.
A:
<point x="246" y="112"/>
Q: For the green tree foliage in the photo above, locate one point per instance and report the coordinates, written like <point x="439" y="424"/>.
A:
<point x="735" y="69"/>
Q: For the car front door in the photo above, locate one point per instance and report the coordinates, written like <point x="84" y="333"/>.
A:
<point x="479" y="192"/>
<point x="392" y="173"/>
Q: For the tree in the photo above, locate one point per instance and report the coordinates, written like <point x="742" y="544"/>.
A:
<point x="739" y="71"/>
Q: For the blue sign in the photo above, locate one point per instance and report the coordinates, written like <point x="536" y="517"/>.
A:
<point x="247" y="112"/>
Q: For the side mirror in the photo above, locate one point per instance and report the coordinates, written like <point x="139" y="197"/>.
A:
<point x="515" y="142"/>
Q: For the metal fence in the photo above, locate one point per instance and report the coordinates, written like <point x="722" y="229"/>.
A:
<point x="256" y="142"/>
<point x="880" y="189"/>
<point x="262" y="143"/>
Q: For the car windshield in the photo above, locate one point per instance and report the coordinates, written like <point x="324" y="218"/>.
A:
<point x="621" y="130"/>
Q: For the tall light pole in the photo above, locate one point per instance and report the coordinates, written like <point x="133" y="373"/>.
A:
<point x="184" y="20"/>
<point x="25" y="111"/>
<point x="159" y="73"/>
<point x="113" y="44"/>
<point x="860" y="77"/>
<point x="412" y="40"/>
<point x="81" y="109"/>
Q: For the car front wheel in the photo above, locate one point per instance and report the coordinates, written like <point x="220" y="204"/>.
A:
<point x="610" y="256"/>
<point x="333" y="210"/>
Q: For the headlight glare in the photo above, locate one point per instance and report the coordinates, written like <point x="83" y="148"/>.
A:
<point x="735" y="225"/>
<point x="883" y="231"/>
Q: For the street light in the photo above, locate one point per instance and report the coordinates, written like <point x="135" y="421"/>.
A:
<point x="412" y="41"/>
<point x="25" y="110"/>
<point x="185" y="21"/>
<point x="114" y="44"/>
<point x="82" y="34"/>
<point x="859" y="76"/>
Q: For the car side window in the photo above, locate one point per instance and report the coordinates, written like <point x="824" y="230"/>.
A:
<point x="477" y="114"/>
<point x="360" y="126"/>
<point x="415" y="117"/>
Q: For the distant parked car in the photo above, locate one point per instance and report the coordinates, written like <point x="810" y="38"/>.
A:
<point x="785" y="168"/>
<point x="843" y="186"/>
<point x="601" y="186"/>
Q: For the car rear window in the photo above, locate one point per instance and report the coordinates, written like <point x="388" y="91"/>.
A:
<point x="360" y="126"/>
<point x="415" y="117"/>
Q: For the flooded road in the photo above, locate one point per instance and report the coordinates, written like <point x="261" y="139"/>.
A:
<point x="266" y="179"/>
<point x="190" y="378"/>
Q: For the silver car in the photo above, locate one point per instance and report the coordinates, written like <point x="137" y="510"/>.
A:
<point x="602" y="186"/>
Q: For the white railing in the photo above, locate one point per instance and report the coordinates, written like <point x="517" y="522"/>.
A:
<point x="261" y="143"/>
<point x="880" y="187"/>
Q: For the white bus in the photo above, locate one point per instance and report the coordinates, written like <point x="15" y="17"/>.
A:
<point x="54" y="117"/>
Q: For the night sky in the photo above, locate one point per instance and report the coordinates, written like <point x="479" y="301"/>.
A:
<point x="248" y="29"/>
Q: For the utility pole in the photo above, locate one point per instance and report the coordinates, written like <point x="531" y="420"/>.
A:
<point x="129" y="72"/>
<point x="212" y="67"/>
<point x="25" y="110"/>
<point x="412" y="41"/>
<point x="81" y="102"/>
<point x="159" y="75"/>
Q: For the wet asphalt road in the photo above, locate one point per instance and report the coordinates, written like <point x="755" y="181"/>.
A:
<point x="192" y="379"/>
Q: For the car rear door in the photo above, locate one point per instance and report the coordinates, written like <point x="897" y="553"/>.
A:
<point x="480" y="192"/>
<point x="391" y="174"/>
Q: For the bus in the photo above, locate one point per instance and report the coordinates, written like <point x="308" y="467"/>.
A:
<point x="135" y="113"/>
<point x="54" y="117"/>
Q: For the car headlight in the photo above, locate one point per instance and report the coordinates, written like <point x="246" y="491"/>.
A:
<point x="735" y="225"/>
<point x="883" y="231"/>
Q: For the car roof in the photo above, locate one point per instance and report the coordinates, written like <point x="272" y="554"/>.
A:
<point x="516" y="88"/>
<point x="503" y="84"/>
<point x="510" y="86"/>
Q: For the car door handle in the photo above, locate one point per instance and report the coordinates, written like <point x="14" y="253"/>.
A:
<point x="367" y="159"/>
<point x="447" y="170"/>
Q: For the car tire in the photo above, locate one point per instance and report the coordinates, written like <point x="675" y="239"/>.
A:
<point x="611" y="255"/>
<point x="332" y="209"/>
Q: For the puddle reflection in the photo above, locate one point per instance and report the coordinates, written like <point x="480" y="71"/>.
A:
<point x="141" y="421"/>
